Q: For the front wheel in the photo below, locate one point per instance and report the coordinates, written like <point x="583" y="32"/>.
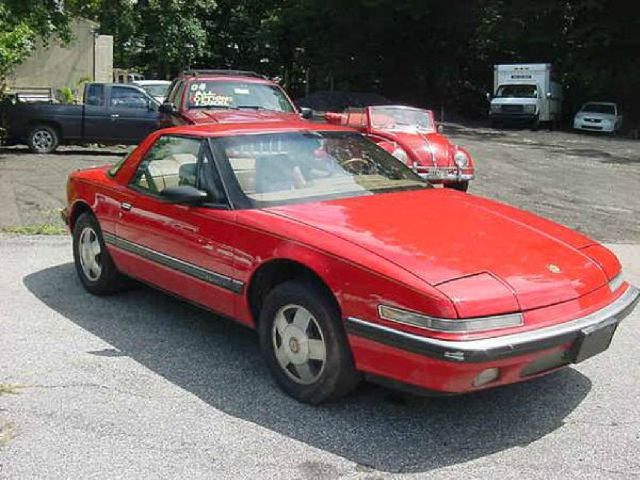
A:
<point x="94" y="265"/>
<point x="43" y="139"/>
<point x="304" y="343"/>
<point x="460" y="186"/>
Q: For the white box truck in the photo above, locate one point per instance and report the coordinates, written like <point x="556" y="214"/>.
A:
<point x="525" y="93"/>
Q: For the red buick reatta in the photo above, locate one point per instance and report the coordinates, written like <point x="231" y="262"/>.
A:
<point x="346" y="261"/>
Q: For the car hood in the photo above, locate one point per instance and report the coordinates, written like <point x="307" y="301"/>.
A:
<point x="601" y="116"/>
<point x="238" y="116"/>
<point x="441" y="235"/>
<point x="428" y="149"/>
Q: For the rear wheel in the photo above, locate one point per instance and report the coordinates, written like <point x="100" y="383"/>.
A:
<point x="304" y="343"/>
<point x="94" y="265"/>
<point x="43" y="139"/>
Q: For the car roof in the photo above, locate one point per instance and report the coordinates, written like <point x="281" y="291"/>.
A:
<point x="227" y="78"/>
<point x="151" y="82"/>
<point x="227" y="129"/>
<point x="600" y="103"/>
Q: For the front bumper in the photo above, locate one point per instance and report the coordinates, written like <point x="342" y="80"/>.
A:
<point x="444" y="174"/>
<point x="512" y="117"/>
<point x="593" y="127"/>
<point x="451" y="366"/>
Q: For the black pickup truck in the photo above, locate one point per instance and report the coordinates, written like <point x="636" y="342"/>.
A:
<point x="111" y="114"/>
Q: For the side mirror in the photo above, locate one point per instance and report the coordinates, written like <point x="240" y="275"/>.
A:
<point x="548" y="94"/>
<point x="306" y="112"/>
<point x="440" y="129"/>
<point x="183" y="194"/>
<point x="168" y="108"/>
<point x="488" y="95"/>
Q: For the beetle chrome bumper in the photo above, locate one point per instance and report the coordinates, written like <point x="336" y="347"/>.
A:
<point x="444" y="174"/>
<point x="497" y="348"/>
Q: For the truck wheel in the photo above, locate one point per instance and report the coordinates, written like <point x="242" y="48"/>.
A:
<point x="43" y="139"/>
<point x="460" y="186"/>
<point x="535" y="126"/>
<point x="304" y="343"/>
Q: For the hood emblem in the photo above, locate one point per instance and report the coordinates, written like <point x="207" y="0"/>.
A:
<point x="553" y="268"/>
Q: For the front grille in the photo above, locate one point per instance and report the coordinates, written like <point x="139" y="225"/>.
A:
<point x="593" y="120"/>
<point x="513" y="108"/>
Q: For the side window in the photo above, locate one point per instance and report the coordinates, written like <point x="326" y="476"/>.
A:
<point x="179" y="93"/>
<point x="123" y="97"/>
<point x="172" y="161"/>
<point x="171" y="92"/>
<point x="95" y="95"/>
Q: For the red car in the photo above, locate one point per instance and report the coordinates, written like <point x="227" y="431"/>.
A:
<point x="320" y="240"/>
<point x="225" y="96"/>
<point x="411" y="135"/>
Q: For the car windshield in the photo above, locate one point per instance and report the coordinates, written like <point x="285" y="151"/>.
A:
<point x="517" y="91"/>
<point x="224" y="94"/>
<point x="401" y="118"/>
<point x="156" y="90"/>
<point x="284" y="168"/>
<point x="598" y="108"/>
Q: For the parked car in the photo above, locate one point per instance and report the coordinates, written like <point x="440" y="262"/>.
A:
<point x="158" y="89"/>
<point x="110" y="114"/>
<point x="226" y="96"/>
<point x="344" y="260"/>
<point x="598" y="117"/>
<point x="411" y="135"/>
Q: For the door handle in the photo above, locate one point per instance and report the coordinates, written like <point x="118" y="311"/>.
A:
<point x="115" y="115"/>
<point x="125" y="206"/>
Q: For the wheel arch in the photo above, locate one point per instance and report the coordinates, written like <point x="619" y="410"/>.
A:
<point x="48" y="123"/>
<point x="79" y="207"/>
<point x="276" y="272"/>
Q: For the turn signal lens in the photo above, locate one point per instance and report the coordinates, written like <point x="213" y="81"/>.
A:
<point x="616" y="282"/>
<point x="461" y="159"/>
<point x="465" y="325"/>
<point x="486" y="376"/>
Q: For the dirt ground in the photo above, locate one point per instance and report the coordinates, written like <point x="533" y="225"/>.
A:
<point x="588" y="182"/>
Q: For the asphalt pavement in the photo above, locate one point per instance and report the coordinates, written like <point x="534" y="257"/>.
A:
<point x="142" y="385"/>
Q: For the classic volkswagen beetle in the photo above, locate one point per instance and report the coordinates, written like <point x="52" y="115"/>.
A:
<point x="411" y="135"/>
<point x="319" y="239"/>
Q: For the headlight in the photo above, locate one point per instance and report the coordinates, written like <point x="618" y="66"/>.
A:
<point x="449" y="326"/>
<point x="461" y="159"/>
<point x="495" y="108"/>
<point x="401" y="155"/>
<point x="529" y="109"/>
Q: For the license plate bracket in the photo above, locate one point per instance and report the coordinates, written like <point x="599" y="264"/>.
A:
<point x="593" y="340"/>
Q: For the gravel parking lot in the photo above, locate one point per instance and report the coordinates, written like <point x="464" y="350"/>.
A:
<point x="141" y="385"/>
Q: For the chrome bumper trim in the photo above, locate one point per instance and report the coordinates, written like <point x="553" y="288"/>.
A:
<point x="448" y="178"/>
<point x="495" y="348"/>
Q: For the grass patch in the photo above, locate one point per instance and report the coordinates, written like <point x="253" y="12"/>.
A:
<point x="44" y="229"/>
<point x="7" y="388"/>
<point x="7" y="433"/>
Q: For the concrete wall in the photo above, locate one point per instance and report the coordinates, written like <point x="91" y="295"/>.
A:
<point x="87" y="56"/>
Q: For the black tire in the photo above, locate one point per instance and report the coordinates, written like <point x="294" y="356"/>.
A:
<point x="337" y="376"/>
<point x="535" y="125"/>
<point x="43" y="139"/>
<point x="460" y="186"/>
<point x="109" y="280"/>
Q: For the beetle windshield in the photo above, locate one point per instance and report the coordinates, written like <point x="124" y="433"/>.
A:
<point x="283" y="168"/>
<point x="401" y="118"/>
<point x="203" y="94"/>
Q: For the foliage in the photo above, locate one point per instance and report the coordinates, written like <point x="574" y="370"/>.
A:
<point x="66" y="95"/>
<point x="45" y="229"/>
<point x="427" y="52"/>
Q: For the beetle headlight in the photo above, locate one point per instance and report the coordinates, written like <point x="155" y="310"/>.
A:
<point x="401" y="155"/>
<point x="461" y="159"/>
<point x="446" y="325"/>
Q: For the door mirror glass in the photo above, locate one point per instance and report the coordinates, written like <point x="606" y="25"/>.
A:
<point x="167" y="108"/>
<point x="306" y="112"/>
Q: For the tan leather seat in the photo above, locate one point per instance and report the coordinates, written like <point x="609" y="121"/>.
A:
<point x="165" y="173"/>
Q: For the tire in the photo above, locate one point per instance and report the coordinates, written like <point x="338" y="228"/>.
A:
<point x="535" y="125"/>
<point x="322" y="373"/>
<point x="94" y="266"/>
<point x="460" y="186"/>
<point x="43" y="139"/>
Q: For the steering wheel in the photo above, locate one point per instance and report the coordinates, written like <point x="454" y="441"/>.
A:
<point x="357" y="165"/>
